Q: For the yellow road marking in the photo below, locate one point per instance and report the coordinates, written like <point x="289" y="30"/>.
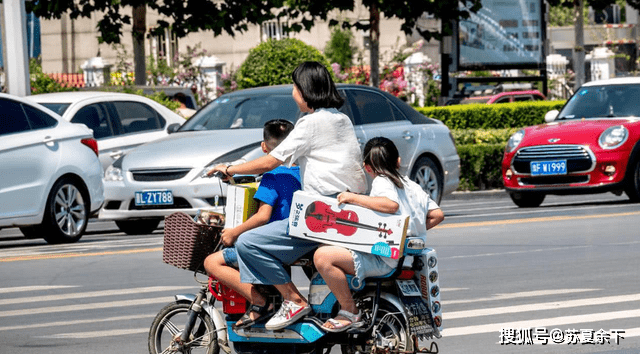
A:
<point x="522" y="221"/>
<point x="75" y="254"/>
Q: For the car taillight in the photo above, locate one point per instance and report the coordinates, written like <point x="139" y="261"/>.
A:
<point x="91" y="143"/>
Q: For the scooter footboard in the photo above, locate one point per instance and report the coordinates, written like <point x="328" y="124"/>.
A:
<point x="303" y="332"/>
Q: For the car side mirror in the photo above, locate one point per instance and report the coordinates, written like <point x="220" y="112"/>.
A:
<point x="551" y="116"/>
<point x="172" y="128"/>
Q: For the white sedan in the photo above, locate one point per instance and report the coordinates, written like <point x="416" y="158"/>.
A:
<point x="51" y="178"/>
<point x="119" y="121"/>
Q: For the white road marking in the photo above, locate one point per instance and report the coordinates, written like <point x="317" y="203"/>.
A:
<point x="34" y="288"/>
<point x="82" y="307"/>
<point x="96" y="334"/>
<point x="536" y="211"/>
<point x="543" y="322"/>
<point x="77" y="322"/>
<point x="498" y="297"/>
<point x="554" y="305"/>
<point x="88" y="294"/>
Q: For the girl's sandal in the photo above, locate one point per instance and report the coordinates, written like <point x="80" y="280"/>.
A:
<point x="355" y="320"/>
<point x="246" y="321"/>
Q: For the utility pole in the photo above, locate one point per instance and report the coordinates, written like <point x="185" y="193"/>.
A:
<point x="15" y="43"/>
<point x="578" y="48"/>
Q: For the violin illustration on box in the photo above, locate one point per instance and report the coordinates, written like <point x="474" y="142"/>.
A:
<point x="321" y="219"/>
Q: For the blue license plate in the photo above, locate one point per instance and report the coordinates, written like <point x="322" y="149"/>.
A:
<point x="162" y="197"/>
<point x="548" y="168"/>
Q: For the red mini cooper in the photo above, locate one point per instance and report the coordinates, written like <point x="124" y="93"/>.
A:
<point x="590" y="146"/>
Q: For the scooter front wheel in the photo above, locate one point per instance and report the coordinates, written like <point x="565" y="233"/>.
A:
<point x="164" y="335"/>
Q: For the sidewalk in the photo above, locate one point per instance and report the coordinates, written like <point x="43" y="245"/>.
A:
<point x="462" y="195"/>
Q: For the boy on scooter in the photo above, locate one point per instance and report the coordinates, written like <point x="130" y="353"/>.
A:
<point x="274" y="196"/>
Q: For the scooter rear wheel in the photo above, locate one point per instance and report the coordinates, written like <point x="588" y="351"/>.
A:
<point x="168" y="325"/>
<point x="391" y="335"/>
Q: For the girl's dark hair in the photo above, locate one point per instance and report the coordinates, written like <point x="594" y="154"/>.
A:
<point x="316" y="86"/>
<point x="382" y="155"/>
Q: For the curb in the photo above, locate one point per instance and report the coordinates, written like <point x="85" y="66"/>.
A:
<point x="465" y="195"/>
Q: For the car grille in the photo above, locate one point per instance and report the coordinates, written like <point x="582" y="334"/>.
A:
<point x="178" y="203"/>
<point x="159" y="175"/>
<point x="552" y="180"/>
<point x="579" y="158"/>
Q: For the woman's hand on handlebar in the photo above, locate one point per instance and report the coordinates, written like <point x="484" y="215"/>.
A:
<point x="220" y="169"/>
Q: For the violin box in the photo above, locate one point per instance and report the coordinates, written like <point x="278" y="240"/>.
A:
<point x="321" y="219"/>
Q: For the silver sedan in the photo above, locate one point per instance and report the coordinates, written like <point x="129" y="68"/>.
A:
<point x="162" y="177"/>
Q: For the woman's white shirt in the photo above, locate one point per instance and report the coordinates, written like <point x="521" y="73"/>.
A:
<point x="325" y="146"/>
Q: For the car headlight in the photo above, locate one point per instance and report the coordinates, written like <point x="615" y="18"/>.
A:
<point x="613" y="137"/>
<point x="515" y="140"/>
<point x="114" y="171"/>
<point x="113" y="174"/>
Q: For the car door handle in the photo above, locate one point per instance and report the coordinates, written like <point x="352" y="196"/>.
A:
<point x="116" y="154"/>
<point x="407" y="135"/>
<point x="48" y="139"/>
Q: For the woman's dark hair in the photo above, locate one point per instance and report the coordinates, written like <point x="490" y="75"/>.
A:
<point x="382" y="155"/>
<point x="316" y="86"/>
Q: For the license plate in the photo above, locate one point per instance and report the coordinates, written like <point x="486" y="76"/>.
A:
<point x="163" y="197"/>
<point x="408" y="287"/>
<point x="548" y="168"/>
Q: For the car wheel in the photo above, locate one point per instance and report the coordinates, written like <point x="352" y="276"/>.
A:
<point x="138" y="227"/>
<point x="428" y="176"/>
<point x="632" y="187"/>
<point x="67" y="212"/>
<point x="527" y="199"/>
<point x="32" y="232"/>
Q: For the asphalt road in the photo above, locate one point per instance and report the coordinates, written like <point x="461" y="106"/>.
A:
<point x="569" y="266"/>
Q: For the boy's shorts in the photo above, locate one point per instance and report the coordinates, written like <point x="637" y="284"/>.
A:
<point x="230" y="256"/>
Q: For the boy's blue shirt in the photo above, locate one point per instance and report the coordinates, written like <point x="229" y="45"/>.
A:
<point x="277" y="188"/>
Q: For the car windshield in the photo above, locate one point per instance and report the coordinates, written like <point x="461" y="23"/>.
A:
<point x="603" y="102"/>
<point x="59" y="108"/>
<point x="243" y="112"/>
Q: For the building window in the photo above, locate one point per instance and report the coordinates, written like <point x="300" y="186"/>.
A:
<point x="164" y="47"/>
<point x="273" y="30"/>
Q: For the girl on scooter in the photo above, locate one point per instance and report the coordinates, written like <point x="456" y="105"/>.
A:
<point x="390" y="193"/>
<point x="324" y="144"/>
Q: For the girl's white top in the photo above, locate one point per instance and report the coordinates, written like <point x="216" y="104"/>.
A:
<point x="412" y="201"/>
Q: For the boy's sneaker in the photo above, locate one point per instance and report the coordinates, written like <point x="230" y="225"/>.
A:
<point x="289" y="313"/>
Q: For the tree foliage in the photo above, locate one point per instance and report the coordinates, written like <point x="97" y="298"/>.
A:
<point x="273" y="61"/>
<point x="232" y="16"/>
<point x="340" y="48"/>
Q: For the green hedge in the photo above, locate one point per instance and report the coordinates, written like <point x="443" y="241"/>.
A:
<point x="482" y="136"/>
<point x="492" y="116"/>
<point x="480" y="166"/>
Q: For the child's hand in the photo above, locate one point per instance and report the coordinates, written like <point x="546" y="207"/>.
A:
<point x="345" y="198"/>
<point x="229" y="236"/>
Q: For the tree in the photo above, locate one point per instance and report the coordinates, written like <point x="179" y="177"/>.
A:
<point x="409" y="11"/>
<point x="232" y="16"/>
<point x="578" y="20"/>
<point x="340" y="48"/>
<point x="273" y="61"/>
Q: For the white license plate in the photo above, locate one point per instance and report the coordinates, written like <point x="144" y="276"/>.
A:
<point x="408" y="287"/>
<point x="548" y="168"/>
<point x="162" y="197"/>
